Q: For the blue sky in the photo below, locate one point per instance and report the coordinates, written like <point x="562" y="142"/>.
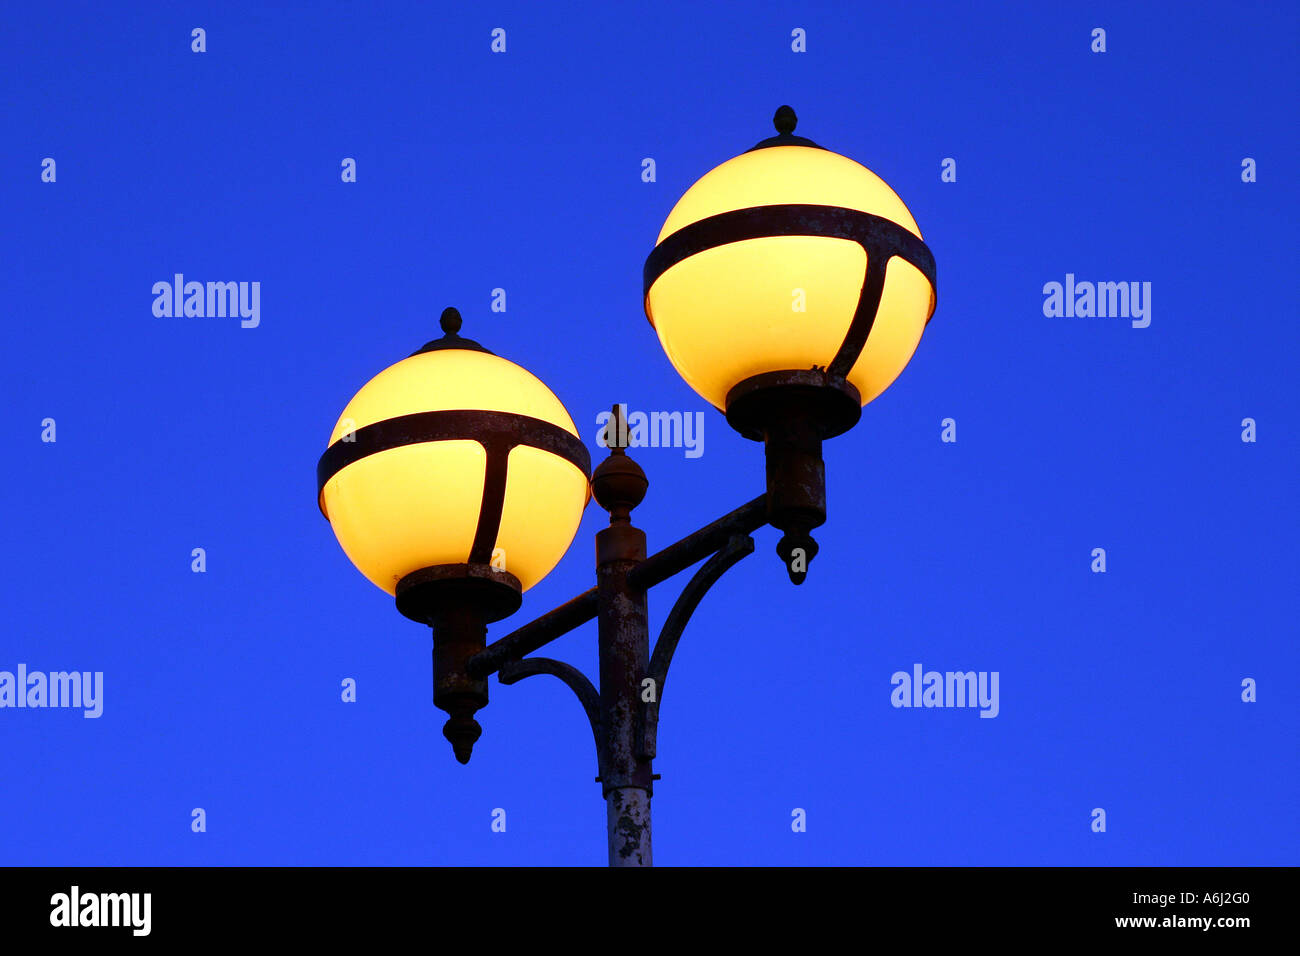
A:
<point x="522" y="171"/>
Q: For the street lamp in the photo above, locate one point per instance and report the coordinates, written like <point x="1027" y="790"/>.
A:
<point x="455" y="480"/>
<point x="789" y="287"/>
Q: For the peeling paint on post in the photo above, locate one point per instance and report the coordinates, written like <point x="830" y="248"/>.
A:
<point x="629" y="827"/>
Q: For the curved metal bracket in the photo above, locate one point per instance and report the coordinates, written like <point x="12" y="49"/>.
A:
<point x="513" y="671"/>
<point x="736" y="548"/>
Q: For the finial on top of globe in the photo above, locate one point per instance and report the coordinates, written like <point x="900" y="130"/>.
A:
<point x="785" y="120"/>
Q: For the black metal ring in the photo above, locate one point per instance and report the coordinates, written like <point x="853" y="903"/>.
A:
<point x="497" y="432"/>
<point x="880" y="238"/>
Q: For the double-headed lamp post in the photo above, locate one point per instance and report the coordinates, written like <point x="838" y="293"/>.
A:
<point x="789" y="287"/>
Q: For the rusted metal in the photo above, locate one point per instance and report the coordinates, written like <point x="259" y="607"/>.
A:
<point x="622" y="720"/>
<point x="458" y="601"/>
<point x="791" y="412"/>
<point x="624" y="660"/>
<point x="617" y="710"/>
<point x="796" y="487"/>
<point x="679" y="556"/>
<point x="655" y="569"/>
<point x="459" y="633"/>
<point x="536" y="634"/>
<point x="618" y="485"/>
<point x="740" y="546"/>
<point x="422" y="594"/>
<point x="627" y="820"/>
<point x="831" y="403"/>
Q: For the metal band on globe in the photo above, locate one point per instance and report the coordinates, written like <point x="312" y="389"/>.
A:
<point x="880" y="238"/>
<point x="497" y="432"/>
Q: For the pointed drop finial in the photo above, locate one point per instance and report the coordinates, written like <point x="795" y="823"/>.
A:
<point x="462" y="730"/>
<point x="785" y="120"/>
<point x="797" y="549"/>
<point x="450" y="320"/>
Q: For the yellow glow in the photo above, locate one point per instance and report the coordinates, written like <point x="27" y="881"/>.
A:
<point x="412" y="507"/>
<point x="730" y="312"/>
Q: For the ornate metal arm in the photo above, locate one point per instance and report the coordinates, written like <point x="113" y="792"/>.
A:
<point x="738" y="547"/>
<point x="655" y="569"/>
<point x="516" y="670"/>
<point x="502" y="656"/>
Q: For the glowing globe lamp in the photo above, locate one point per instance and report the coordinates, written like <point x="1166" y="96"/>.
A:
<point x="789" y="287"/>
<point x="454" y="480"/>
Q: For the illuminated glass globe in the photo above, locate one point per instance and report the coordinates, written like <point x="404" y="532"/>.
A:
<point x="454" y="458"/>
<point x="762" y="266"/>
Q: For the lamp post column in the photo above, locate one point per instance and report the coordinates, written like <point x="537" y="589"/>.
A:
<point x="618" y="486"/>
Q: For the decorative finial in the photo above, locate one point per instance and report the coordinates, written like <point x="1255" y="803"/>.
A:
<point x="616" y="432"/>
<point x="796" y="549"/>
<point x="785" y="121"/>
<point x="462" y="730"/>
<point x="618" y="484"/>
<point x="450" y="323"/>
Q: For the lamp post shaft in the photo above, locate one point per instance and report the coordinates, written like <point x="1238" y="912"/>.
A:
<point x="624" y="639"/>
<point x="623" y="632"/>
